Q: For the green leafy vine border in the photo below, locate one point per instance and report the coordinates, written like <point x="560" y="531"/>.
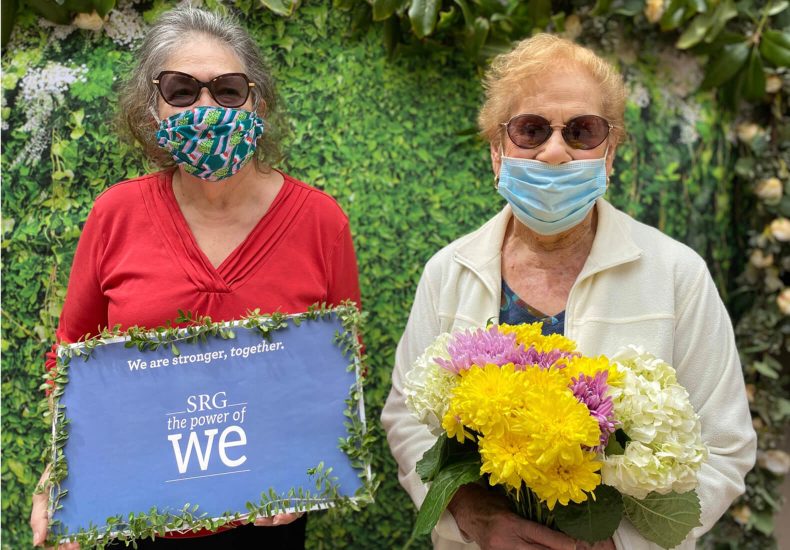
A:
<point x="357" y="445"/>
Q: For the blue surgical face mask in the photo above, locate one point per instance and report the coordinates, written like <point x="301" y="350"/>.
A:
<point x="551" y="198"/>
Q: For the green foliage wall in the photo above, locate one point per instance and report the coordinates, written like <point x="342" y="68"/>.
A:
<point x="389" y="139"/>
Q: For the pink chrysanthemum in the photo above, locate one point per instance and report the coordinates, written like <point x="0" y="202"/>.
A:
<point x="546" y="359"/>
<point x="481" y="347"/>
<point x="591" y="390"/>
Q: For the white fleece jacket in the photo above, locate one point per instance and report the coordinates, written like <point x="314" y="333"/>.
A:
<point x="638" y="286"/>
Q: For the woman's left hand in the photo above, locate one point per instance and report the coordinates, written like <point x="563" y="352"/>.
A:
<point x="278" y="519"/>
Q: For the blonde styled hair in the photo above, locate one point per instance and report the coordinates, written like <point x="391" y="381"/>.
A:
<point x="511" y="72"/>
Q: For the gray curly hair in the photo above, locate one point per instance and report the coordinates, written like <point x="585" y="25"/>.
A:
<point x="138" y="94"/>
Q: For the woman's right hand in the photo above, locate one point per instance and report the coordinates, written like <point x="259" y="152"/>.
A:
<point x="39" y="516"/>
<point x="487" y="519"/>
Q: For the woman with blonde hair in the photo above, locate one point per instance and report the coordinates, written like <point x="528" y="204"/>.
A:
<point x="559" y="253"/>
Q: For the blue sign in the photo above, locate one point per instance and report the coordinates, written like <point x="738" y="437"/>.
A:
<point x="215" y="425"/>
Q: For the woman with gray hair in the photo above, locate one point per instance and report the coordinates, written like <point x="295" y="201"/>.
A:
<point x="218" y="231"/>
<point x="561" y="254"/>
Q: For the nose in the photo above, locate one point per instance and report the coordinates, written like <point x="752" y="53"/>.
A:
<point x="554" y="150"/>
<point x="205" y="99"/>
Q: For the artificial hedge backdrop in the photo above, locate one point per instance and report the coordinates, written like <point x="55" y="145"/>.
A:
<point x="384" y="121"/>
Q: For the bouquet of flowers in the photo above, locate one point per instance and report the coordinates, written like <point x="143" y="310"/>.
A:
<point x="575" y="442"/>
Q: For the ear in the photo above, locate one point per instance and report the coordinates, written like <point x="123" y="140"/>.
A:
<point x="496" y="158"/>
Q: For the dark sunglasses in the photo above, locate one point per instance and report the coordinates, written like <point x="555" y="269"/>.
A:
<point x="181" y="90"/>
<point x="581" y="132"/>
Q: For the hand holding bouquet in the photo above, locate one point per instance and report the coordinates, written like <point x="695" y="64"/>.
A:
<point x="574" y="442"/>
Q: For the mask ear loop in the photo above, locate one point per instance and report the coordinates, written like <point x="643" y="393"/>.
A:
<point x="152" y="109"/>
<point x="496" y="176"/>
<point x="155" y="115"/>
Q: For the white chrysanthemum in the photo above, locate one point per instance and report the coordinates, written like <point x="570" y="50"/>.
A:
<point x="666" y="449"/>
<point x="429" y="386"/>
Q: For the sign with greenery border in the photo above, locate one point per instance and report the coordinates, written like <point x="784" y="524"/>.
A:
<point x="134" y="417"/>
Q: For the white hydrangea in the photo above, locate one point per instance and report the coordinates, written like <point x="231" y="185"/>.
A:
<point x="666" y="449"/>
<point x="429" y="386"/>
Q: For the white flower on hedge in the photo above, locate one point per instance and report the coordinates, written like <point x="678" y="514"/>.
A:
<point x="41" y="91"/>
<point x="747" y="131"/>
<point x="769" y="190"/>
<point x="690" y="114"/>
<point x="783" y="301"/>
<point x="760" y="259"/>
<point x="429" y="386"/>
<point x="639" y="95"/>
<point x="125" y="26"/>
<point x="780" y="229"/>
<point x="59" y="32"/>
<point x="775" y="461"/>
<point x="654" y="9"/>
<point x="666" y="450"/>
<point x="741" y="514"/>
<point x="772" y="84"/>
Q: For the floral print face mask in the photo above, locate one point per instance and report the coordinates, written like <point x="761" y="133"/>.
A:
<point x="211" y="143"/>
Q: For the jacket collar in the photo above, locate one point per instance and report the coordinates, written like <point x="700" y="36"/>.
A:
<point x="613" y="244"/>
<point x="481" y="250"/>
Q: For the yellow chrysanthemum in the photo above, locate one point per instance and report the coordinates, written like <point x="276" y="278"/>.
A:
<point x="530" y="335"/>
<point x="590" y="366"/>
<point x="565" y="426"/>
<point x="454" y="428"/>
<point x="565" y="482"/>
<point x="537" y="381"/>
<point x="486" y="398"/>
<point x="555" y="341"/>
<point x="507" y="459"/>
<point x="526" y="333"/>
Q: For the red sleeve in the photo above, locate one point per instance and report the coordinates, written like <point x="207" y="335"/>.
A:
<point x="85" y="308"/>
<point x="343" y="283"/>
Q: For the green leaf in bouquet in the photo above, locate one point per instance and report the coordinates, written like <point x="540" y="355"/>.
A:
<point x="431" y="462"/>
<point x="616" y="443"/>
<point x="664" y="519"/>
<point x="447" y="481"/>
<point x="444" y="451"/>
<point x="592" y="520"/>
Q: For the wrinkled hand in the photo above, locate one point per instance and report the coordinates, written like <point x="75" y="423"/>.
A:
<point x="39" y="517"/>
<point x="486" y="518"/>
<point x="278" y="519"/>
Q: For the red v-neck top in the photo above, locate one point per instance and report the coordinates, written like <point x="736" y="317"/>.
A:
<point x="137" y="262"/>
